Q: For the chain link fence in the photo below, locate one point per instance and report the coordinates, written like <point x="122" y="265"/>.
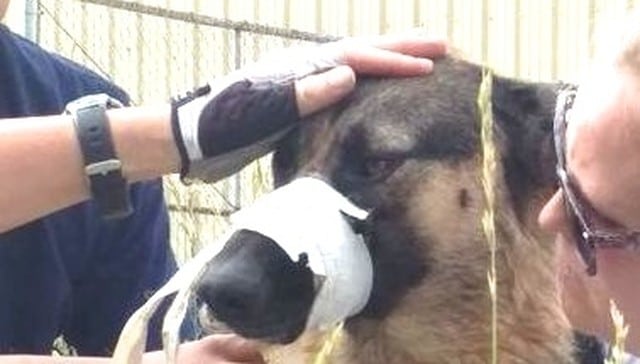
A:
<point x="154" y="52"/>
<point x="156" y="48"/>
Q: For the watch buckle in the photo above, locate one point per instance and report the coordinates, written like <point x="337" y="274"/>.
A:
<point x="103" y="167"/>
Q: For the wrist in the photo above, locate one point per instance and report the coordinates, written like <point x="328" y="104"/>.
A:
<point x="144" y="142"/>
<point x="185" y="117"/>
<point x="102" y="167"/>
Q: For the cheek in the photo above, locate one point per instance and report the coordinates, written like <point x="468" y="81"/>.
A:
<point x="619" y="271"/>
<point x="584" y="298"/>
<point x="619" y="262"/>
<point x="569" y="261"/>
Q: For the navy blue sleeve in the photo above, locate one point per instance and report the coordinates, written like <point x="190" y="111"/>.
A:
<point x="92" y="274"/>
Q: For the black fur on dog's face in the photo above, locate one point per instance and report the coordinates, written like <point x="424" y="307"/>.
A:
<point x="407" y="150"/>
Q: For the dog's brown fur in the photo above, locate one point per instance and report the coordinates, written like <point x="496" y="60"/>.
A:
<point x="441" y="312"/>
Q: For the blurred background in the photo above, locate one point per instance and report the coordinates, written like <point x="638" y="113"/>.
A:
<point x="157" y="48"/>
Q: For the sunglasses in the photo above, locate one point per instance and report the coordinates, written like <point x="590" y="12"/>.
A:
<point x="582" y="216"/>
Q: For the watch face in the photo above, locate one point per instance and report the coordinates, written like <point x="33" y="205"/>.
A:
<point x="101" y="99"/>
<point x="113" y="103"/>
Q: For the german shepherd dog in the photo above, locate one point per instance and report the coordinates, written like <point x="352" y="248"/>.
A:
<point x="409" y="151"/>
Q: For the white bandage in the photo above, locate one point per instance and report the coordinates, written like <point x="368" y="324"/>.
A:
<point x="306" y="216"/>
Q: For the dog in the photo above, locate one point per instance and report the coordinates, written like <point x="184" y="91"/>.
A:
<point x="409" y="151"/>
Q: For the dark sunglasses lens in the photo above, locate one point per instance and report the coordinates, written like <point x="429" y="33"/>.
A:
<point x="585" y="246"/>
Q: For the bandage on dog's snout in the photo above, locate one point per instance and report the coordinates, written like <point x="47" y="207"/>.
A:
<point x="305" y="218"/>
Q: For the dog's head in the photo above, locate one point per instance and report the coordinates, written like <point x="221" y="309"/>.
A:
<point x="408" y="150"/>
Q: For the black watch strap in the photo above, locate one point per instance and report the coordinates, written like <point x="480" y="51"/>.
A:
<point x="103" y="169"/>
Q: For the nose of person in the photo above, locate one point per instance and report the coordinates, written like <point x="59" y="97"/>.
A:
<point x="554" y="220"/>
<point x="553" y="217"/>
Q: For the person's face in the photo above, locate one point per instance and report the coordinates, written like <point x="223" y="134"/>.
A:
<point x="602" y="135"/>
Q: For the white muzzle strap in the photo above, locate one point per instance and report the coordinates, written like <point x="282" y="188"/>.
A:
<point x="303" y="217"/>
<point x="306" y="217"/>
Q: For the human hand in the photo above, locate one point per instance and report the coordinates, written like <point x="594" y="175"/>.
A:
<point x="239" y="118"/>
<point x="214" y="349"/>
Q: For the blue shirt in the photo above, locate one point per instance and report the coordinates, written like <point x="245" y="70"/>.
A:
<point x="72" y="273"/>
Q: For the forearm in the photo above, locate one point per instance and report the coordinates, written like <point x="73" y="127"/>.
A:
<point x="215" y="349"/>
<point x="144" y="141"/>
<point x="41" y="169"/>
<point x="43" y="359"/>
<point x="239" y="118"/>
<point x="155" y="357"/>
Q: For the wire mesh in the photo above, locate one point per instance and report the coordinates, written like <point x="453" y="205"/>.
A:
<point x="156" y="48"/>
<point x="154" y="51"/>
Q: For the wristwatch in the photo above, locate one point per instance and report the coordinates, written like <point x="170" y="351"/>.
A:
<point x="109" y="188"/>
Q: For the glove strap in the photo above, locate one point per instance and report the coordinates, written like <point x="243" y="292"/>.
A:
<point x="176" y="103"/>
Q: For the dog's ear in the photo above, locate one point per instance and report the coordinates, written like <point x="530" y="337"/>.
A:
<point x="284" y="162"/>
<point x="523" y="111"/>
<point x="301" y="142"/>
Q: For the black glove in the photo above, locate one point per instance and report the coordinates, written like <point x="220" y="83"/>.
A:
<point x="221" y="127"/>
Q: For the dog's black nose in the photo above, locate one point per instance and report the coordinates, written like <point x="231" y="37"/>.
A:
<point x="257" y="290"/>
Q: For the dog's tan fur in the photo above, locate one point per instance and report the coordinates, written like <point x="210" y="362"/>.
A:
<point x="447" y="318"/>
<point x="445" y="315"/>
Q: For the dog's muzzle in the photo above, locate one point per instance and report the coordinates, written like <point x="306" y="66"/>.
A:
<point x="292" y="263"/>
<point x="256" y="290"/>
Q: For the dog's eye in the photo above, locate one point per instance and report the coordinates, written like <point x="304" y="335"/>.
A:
<point x="379" y="168"/>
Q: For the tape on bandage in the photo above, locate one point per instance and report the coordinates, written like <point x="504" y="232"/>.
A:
<point x="306" y="216"/>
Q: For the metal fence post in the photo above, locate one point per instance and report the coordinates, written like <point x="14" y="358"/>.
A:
<point x="237" y="44"/>
<point x="139" y="14"/>
<point x="31" y="19"/>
